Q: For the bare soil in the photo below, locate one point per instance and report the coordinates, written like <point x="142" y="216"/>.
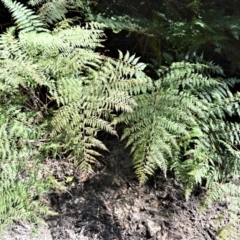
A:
<point x="110" y="205"/>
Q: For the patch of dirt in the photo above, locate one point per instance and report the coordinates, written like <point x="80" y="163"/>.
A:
<point x="112" y="205"/>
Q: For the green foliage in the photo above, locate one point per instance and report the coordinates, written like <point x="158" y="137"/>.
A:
<point x="180" y="124"/>
<point x="87" y="104"/>
<point x="228" y="221"/>
<point x="48" y="12"/>
<point x="25" y="18"/>
<point x="51" y="11"/>
<point x="211" y="27"/>
<point x="183" y="108"/>
<point x="22" y="183"/>
<point x="57" y="93"/>
<point x="21" y="136"/>
<point x="23" y="132"/>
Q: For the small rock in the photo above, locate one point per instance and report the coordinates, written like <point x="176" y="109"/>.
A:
<point x="76" y="201"/>
<point x="152" y="227"/>
<point x="71" y="234"/>
<point x="143" y="208"/>
<point x="135" y="209"/>
<point x="154" y="204"/>
<point x="134" y="216"/>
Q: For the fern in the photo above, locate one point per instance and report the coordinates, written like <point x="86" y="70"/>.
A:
<point x="229" y="195"/>
<point x="52" y="11"/>
<point x="180" y="124"/>
<point x="86" y="86"/>
<point x="20" y="136"/>
<point x="25" y="18"/>
<point x="175" y="27"/>
<point x="55" y="86"/>
<point x="21" y="165"/>
<point x="163" y="115"/>
<point x="90" y="109"/>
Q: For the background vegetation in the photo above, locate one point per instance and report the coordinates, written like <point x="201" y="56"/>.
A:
<point x="61" y="86"/>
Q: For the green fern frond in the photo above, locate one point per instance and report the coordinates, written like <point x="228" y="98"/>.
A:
<point x="177" y="121"/>
<point x="52" y="11"/>
<point x="93" y="98"/>
<point x="153" y="132"/>
<point x="183" y="99"/>
<point x="25" y="18"/>
<point x="20" y="168"/>
<point x="229" y="194"/>
<point x="86" y="101"/>
<point x="36" y="2"/>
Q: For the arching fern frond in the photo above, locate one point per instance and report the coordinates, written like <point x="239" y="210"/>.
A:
<point x="52" y="11"/>
<point x="86" y="86"/>
<point x="93" y="100"/>
<point x="184" y="103"/>
<point x="164" y="115"/>
<point x="25" y="18"/>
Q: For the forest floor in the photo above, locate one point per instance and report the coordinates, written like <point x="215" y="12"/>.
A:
<point x="111" y="205"/>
